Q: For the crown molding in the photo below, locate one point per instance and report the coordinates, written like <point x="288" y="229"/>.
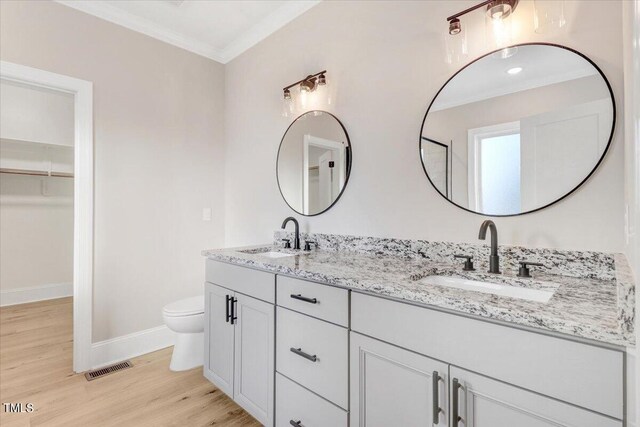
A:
<point x="267" y="26"/>
<point x="258" y="32"/>
<point x="128" y="20"/>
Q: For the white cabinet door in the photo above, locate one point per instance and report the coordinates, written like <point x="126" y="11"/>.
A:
<point x="391" y="386"/>
<point x="254" y="357"/>
<point x="219" y="335"/>
<point x="485" y="402"/>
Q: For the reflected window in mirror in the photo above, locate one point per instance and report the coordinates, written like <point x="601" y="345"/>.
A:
<point x="314" y="162"/>
<point x="520" y="131"/>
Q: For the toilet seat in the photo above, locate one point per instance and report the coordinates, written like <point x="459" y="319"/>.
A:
<point x="185" y="307"/>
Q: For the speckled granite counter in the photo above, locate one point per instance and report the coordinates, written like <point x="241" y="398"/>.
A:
<point x="591" y="300"/>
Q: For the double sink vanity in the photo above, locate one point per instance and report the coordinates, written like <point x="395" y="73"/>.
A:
<point x="324" y="330"/>
<point x="383" y="332"/>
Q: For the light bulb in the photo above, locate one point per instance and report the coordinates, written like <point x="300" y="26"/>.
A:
<point x="499" y="30"/>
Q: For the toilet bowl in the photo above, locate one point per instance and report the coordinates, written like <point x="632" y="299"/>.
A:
<point x="186" y="318"/>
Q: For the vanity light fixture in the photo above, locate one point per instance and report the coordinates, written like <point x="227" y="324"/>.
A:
<point x="513" y="71"/>
<point x="304" y="100"/>
<point x="497" y="12"/>
<point x="308" y="84"/>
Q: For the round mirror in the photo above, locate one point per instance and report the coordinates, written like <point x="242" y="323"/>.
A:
<point x="314" y="161"/>
<point x="518" y="129"/>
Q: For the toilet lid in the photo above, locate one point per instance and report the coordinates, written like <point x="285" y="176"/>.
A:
<point x="185" y="307"/>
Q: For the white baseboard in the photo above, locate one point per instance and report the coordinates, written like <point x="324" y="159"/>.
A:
<point x="127" y="346"/>
<point x="35" y="293"/>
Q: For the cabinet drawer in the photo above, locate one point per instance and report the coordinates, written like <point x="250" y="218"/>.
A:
<point x="581" y="374"/>
<point x="295" y="403"/>
<point x="321" y="301"/>
<point x="255" y="283"/>
<point x="325" y="369"/>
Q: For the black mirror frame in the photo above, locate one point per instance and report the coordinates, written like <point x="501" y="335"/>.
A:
<point x="604" y="153"/>
<point x="349" y="158"/>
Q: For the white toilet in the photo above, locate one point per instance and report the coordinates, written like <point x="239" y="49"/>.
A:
<point x="186" y="318"/>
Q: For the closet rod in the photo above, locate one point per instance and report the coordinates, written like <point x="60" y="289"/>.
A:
<point x="36" y="173"/>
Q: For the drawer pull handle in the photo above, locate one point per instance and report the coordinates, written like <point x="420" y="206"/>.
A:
<point x="301" y="353"/>
<point x="454" y="403"/>
<point x="436" y="397"/>
<point x="233" y="310"/>
<point x="228" y="314"/>
<point x="296" y="423"/>
<point x="305" y="299"/>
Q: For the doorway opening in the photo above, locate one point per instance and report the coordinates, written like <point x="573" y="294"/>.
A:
<point x="46" y="161"/>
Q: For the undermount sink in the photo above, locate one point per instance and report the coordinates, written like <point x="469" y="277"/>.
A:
<point x="272" y="254"/>
<point x="266" y="252"/>
<point x="536" y="295"/>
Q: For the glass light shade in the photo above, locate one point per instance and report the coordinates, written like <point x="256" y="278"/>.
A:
<point x="456" y="48"/>
<point x="499" y="31"/>
<point x="302" y="100"/>
<point x="548" y="15"/>
<point x="288" y="107"/>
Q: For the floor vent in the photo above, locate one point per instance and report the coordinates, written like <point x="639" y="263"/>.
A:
<point x="98" y="373"/>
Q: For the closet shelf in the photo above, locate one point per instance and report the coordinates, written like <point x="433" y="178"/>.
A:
<point x="36" y="173"/>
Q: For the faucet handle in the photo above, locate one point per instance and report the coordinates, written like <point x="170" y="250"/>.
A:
<point x="468" y="264"/>
<point x="287" y="243"/>
<point x="308" y="243"/>
<point x="523" y="271"/>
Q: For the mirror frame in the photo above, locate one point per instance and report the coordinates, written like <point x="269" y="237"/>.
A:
<point x="604" y="153"/>
<point x="349" y="161"/>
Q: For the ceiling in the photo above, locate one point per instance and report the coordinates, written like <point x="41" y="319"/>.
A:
<point x="216" y="29"/>
<point x="541" y="65"/>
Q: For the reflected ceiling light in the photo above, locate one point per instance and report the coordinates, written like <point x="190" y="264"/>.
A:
<point x="515" y="70"/>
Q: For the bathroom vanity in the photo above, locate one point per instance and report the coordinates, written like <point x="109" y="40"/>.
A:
<point x="382" y="332"/>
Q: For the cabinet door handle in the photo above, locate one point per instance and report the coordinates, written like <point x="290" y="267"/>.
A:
<point x="228" y="314"/>
<point x="296" y="423"/>
<point x="435" y="382"/>
<point x="301" y="353"/>
<point x="455" y="418"/>
<point x="305" y="299"/>
<point x="233" y="310"/>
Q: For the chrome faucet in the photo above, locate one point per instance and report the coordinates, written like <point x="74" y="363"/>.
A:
<point x="296" y="241"/>
<point x="494" y="259"/>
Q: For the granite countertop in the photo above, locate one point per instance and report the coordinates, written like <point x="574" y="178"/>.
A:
<point x="589" y="308"/>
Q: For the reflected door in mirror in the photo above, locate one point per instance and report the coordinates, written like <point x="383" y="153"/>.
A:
<point x="314" y="161"/>
<point x="520" y="132"/>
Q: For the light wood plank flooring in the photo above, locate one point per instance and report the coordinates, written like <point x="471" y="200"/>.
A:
<point x="36" y="367"/>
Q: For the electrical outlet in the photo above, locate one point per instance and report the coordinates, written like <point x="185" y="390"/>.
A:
<point x="206" y="214"/>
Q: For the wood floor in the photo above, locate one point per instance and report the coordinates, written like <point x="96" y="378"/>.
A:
<point x="36" y="367"/>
